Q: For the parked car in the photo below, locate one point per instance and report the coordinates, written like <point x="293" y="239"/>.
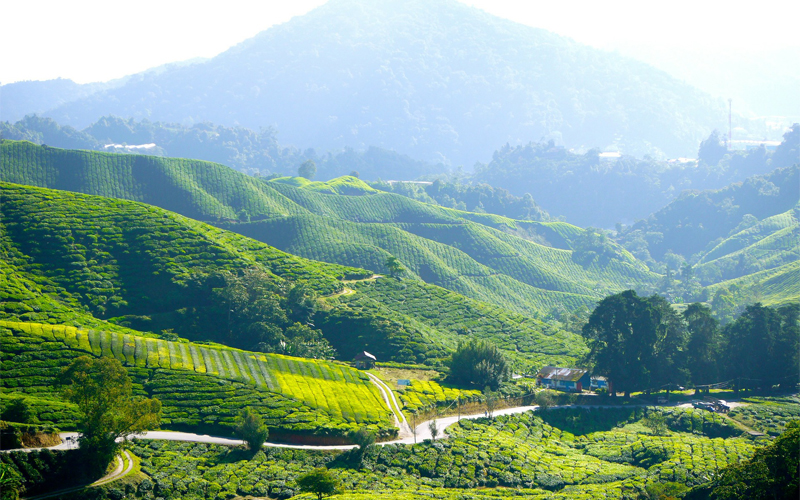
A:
<point x="702" y="405"/>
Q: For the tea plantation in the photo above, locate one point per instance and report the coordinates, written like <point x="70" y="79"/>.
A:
<point x="519" y="455"/>
<point x="524" y="266"/>
<point x="199" y="385"/>
<point x="75" y="259"/>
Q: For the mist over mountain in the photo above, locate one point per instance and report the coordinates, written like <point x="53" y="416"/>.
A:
<point x="439" y="81"/>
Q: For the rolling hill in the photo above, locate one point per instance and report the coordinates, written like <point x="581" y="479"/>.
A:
<point x="758" y="213"/>
<point x="525" y="266"/>
<point x="80" y="260"/>
<point x="422" y="78"/>
<point x="200" y="386"/>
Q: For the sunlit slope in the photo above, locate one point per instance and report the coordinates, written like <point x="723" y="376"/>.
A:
<point x="369" y="245"/>
<point x="198" y="189"/>
<point x="330" y="395"/>
<point x="771" y="287"/>
<point x="431" y="318"/>
<point x="771" y="243"/>
<point x="76" y="259"/>
<point x="524" y="266"/>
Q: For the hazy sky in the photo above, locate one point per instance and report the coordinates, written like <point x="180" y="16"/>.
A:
<point x="89" y="40"/>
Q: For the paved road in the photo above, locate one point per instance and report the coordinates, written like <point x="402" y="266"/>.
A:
<point x="119" y="472"/>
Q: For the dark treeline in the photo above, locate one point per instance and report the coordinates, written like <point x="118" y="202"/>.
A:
<point x="644" y="344"/>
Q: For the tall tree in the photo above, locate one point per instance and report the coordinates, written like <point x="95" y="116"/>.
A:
<point x="637" y="342"/>
<point x="478" y="363"/>
<point x="712" y="149"/>
<point x="319" y="482"/>
<point x="761" y="345"/>
<point x="103" y="392"/>
<point x="394" y="267"/>
<point x="252" y="429"/>
<point x="308" y="169"/>
<point x="702" y="351"/>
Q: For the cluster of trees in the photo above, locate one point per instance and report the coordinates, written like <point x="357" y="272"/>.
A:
<point x="594" y="246"/>
<point x="698" y="221"/>
<point x="644" y="344"/>
<point x="103" y="392"/>
<point x="772" y="473"/>
<point x="478" y="363"/>
<point x="250" y="309"/>
<point x="589" y="191"/>
<point x="481" y="198"/>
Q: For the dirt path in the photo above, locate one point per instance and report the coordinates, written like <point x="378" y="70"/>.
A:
<point x="399" y="419"/>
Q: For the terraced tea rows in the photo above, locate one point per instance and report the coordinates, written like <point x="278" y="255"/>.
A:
<point x="342" y="392"/>
<point x="427" y="393"/>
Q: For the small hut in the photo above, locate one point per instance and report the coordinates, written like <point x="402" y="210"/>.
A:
<point x="364" y="360"/>
<point x="564" y="379"/>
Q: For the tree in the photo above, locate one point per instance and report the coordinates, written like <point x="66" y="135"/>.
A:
<point x="772" y="473"/>
<point x="478" y="363"/>
<point x="355" y="174"/>
<point x="308" y="169"/>
<point x="433" y="426"/>
<point x="490" y="400"/>
<point x="250" y="427"/>
<point x="544" y="399"/>
<point x="102" y="390"/>
<point x="656" y="422"/>
<point x="702" y="350"/>
<point x="763" y="337"/>
<point x="364" y="439"/>
<point x="712" y="149"/>
<point x="318" y="482"/>
<point x="18" y="410"/>
<point x="636" y="342"/>
<point x="394" y="267"/>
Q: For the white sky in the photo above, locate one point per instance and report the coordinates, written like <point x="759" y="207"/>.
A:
<point x="90" y="40"/>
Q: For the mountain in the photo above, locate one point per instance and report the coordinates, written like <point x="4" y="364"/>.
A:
<point x="525" y="266"/>
<point x="439" y="81"/>
<point x="23" y="98"/>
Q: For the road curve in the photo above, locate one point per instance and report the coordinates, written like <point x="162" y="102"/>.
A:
<point x="119" y="472"/>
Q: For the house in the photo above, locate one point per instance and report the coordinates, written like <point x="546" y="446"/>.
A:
<point x="599" y="382"/>
<point x="564" y="379"/>
<point x="364" y="360"/>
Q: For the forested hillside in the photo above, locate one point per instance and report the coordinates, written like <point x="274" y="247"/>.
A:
<point x="741" y="229"/>
<point x="422" y="78"/>
<point x="237" y="147"/>
<point x="525" y="266"/>
<point x="592" y="191"/>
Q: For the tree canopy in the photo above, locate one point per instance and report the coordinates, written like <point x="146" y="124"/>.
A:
<point x="319" y="482"/>
<point x="103" y="392"/>
<point x="478" y="363"/>
<point x="638" y="342"/>
<point x="252" y="429"/>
